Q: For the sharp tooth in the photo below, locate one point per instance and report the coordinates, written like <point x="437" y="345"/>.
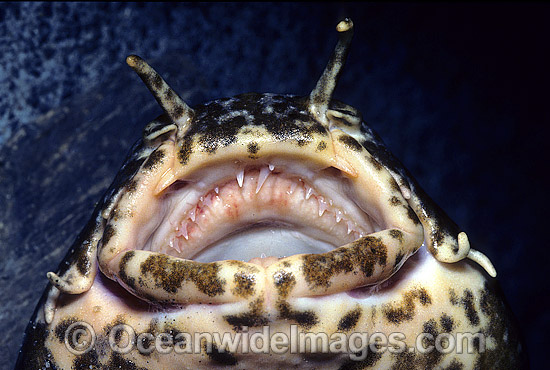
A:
<point x="350" y="227"/>
<point x="184" y="233"/>
<point x="264" y="173"/>
<point x="192" y="214"/>
<point x="292" y="188"/>
<point x="175" y="246"/>
<point x="240" y="178"/>
<point x="322" y="206"/>
<point x="271" y="167"/>
<point x="338" y="216"/>
<point x="309" y="192"/>
<point x="217" y="190"/>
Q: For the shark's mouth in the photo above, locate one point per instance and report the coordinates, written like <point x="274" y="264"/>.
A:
<point x="260" y="214"/>
<point x="240" y="226"/>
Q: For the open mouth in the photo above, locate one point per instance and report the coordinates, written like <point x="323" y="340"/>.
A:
<point x="236" y="230"/>
<point x="259" y="214"/>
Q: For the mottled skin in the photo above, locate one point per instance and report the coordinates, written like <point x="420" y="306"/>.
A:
<point x="386" y="282"/>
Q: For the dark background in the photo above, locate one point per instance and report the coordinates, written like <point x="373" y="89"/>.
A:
<point x="459" y="93"/>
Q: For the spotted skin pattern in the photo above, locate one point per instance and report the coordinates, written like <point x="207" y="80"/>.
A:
<point x="386" y="282"/>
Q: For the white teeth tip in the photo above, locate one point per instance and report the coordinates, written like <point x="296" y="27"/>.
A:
<point x="350" y="227"/>
<point x="240" y="178"/>
<point x="264" y="173"/>
<point x="217" y="190"/>
<point x="338" y="216"/>
<point x="322" y="206"/>
<point x="309" y="192"/>
<point x="192" y="215"/>
<point x="292" y="188"/>
<point x="271" y="167"/>
<point x="175" y="246"/>
<point x="184" y="233"/>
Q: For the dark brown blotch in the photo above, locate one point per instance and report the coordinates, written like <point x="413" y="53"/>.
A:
<point x="453" y="297"/>
<point x="397" y="234"/>
<point x="433" y="357"/>
<point x="306" y="319"/>
<point x="116" y="361"/>
<point x="397" y="313"/>
<point x="363" y="255"/>
<point x="447" y="323"/>
<point x="395" y="201"/>
<point x="394" y="185"/>
<point x="88" y="360"/>
<point x="350" y="143"/>
<point x="130" y="281"/>
<point x="349" y="320"/>
<point x="244" y="284"/>
<point x="107" y="330"/>
<point x="468" y="304"/>
<point x="412" y="216"/>
<point x="221" y="357"/>
<point x="375" y="163"/>
<point x="131" y="186"/>
<point x="83" y="260"/>
<point x="253" y="318"/>
<point x="170" y="273"/>
<point x="321" y="146"/>
<point x="369" y="362"/>
<point x="108" y="233"/>
<point x="185" y="150"/>
<point x="455" y="365"/>
<point x="284" y="282"/>
<point x="154" y="160"/>
<point x="63" y="326"/>
<point x="253" y="148"/>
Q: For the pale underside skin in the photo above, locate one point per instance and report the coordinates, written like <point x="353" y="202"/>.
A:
<point x="268" y="212"/>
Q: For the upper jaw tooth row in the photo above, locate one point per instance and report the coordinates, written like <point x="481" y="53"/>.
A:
<point x="325" y="205"/>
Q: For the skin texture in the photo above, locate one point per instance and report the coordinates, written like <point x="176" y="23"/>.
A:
<point x="416" y="275"/>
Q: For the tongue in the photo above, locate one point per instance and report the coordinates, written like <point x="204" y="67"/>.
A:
<point x="254" y="243"/>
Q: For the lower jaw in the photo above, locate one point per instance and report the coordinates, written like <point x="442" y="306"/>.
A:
<point x="416" y="268"/>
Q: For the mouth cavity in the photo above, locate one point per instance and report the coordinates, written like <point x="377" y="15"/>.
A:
<point x="235" y="232"/>
<point x="259" y="214"/>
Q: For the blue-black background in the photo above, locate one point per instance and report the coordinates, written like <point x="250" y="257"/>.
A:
<point x="459" y="93"/>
